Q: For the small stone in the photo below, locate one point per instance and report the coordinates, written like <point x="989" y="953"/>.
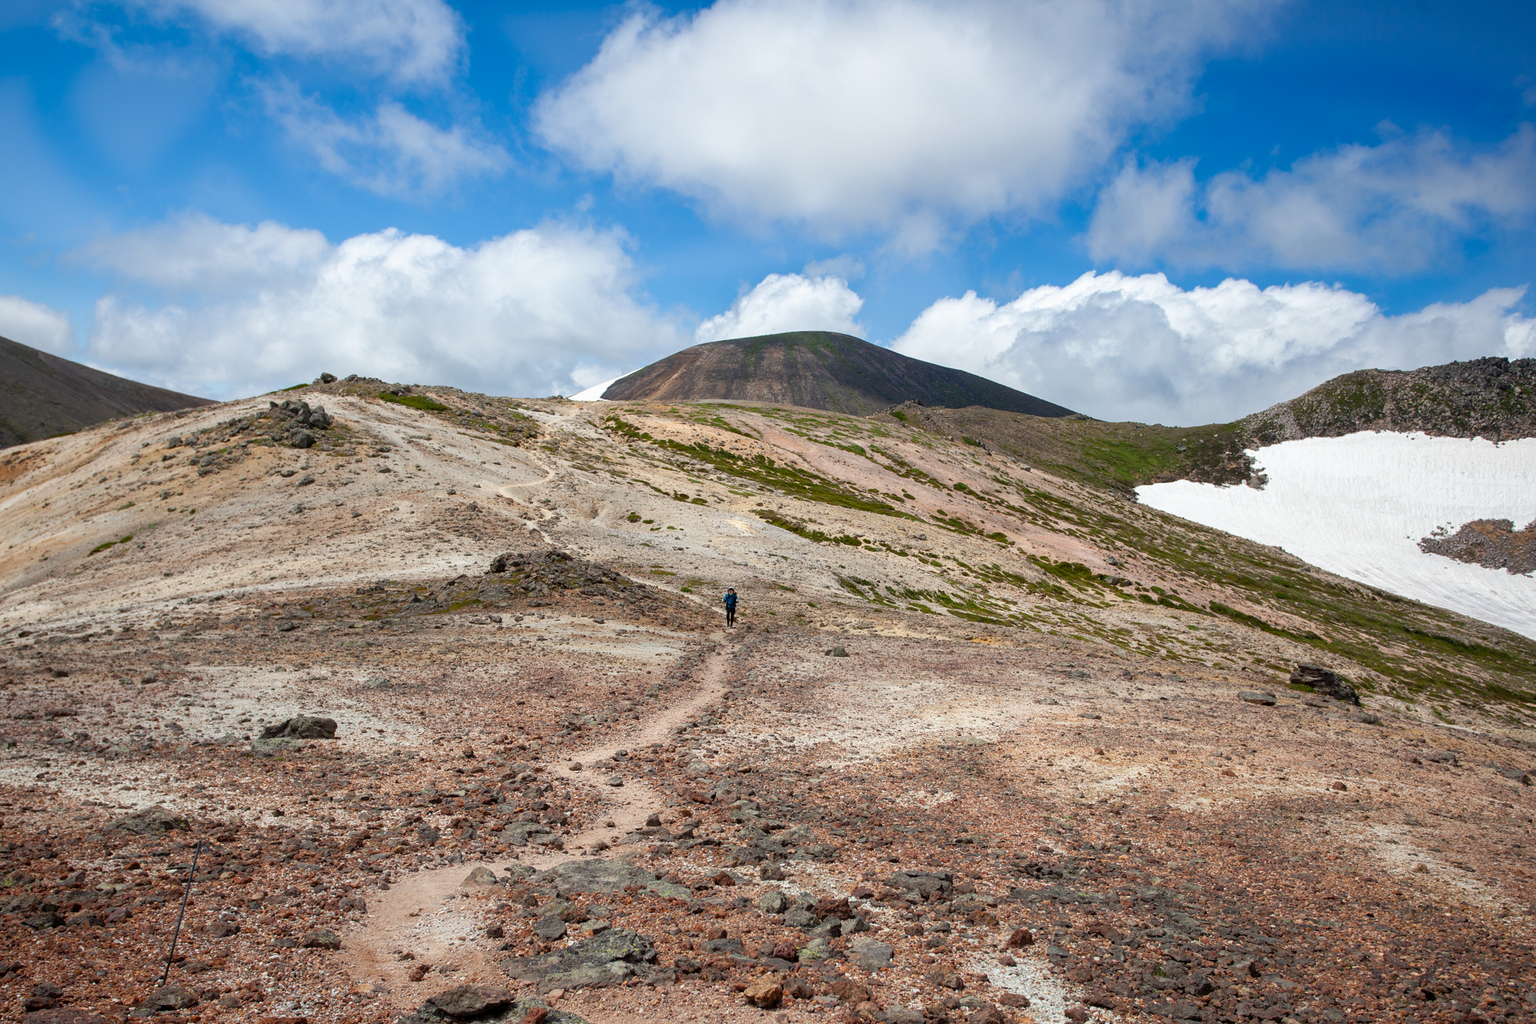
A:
<point x="940" y="977"/>
<point x="575" y="766"/>
<point x="1255" y="697"/>
<point x="849" y="991"/>
<point x="764" y="993"/>
<point x="468" y="1001"/>
<point x="837" y="652"/>
<point x="320" y="938"/>
<point x="870" y="954"/>
<point x="614" y="780"/>
<point x="173" y="997"/>
<point x="550" y="928"/>
<point x="774" y="902"/>
<point x="1339" y="787"/>
<point x="480" y="878"/>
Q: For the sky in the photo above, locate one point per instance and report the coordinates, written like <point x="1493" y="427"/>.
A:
<point x="1178" y="211"/>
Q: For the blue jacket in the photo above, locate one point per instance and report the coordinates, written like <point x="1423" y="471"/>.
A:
<point x="729" y="600"/>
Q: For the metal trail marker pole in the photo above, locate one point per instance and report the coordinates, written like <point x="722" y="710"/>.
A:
<point x="184" y="897"/>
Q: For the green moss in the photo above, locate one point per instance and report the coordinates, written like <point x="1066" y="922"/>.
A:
<point x="421" y="402"/>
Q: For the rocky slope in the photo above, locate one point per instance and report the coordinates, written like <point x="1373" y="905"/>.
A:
<point x="1492" y="397"/>
<point x="816" y="370"/>
<point x="991" y="743"/>
<point x="42" y="395"/>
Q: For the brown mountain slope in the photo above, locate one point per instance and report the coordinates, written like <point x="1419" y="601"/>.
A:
<point x="817" y="370"/>
<point x="42" y="395"/>
<point x="1491" y="397"/>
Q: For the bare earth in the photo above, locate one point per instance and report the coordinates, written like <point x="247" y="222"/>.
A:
<point x="1079" y="768"/>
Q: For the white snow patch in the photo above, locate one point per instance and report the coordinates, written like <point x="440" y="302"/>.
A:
<point x="1358" y="506"/>
<point x="595" y="392"/>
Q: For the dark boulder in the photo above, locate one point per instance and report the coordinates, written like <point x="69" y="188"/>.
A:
<point x="1325" y="681"/>
<point x="606" y="959"/>
<point x="302" y="727"/>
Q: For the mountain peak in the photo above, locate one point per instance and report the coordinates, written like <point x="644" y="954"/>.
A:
<point x="817" y="370"/>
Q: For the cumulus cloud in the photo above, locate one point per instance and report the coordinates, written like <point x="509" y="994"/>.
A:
<point x="393" y="152"/>
<point x="787" y="302"/>
<point x="898" y="116"/>
<point x="194" y="251"/>
<point x="539" y="311"/>
<point x="1394" y="207"/>
<point x="34" y="324"/>
<point x="409" y="41"/>
<point x="1140" y="348"/>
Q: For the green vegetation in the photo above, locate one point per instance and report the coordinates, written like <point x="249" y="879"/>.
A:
<point x="761" y="470"/>
<point x="102" y="547"/>
<point x="795" y="526"/>
<point x="421" y="402"/>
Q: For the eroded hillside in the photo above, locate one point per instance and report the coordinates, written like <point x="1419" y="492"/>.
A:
<point x="991" y="742"/>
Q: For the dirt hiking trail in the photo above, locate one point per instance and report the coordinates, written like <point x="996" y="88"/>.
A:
<point x="421" y="913"/>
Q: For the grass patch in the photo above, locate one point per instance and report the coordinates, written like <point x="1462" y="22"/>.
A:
<point x="421" y="402"/>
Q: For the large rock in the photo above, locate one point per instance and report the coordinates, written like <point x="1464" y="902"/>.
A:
<point x="172" y="997"/>
<point x="151" y="821"/>
<point x="302" y="727"/>
<point x="602" y="960"/>
<point x="529" y="1008"/>
<point x="764" y="992"/>
<point x="62" y="1015"/>
<point x="923" y="883"/>
<point x="1325" y="681"/>
<point x="467" y="1002"/>
<point x="479" y="878"/>
<point x="870" y="954"/>
<point x="582" y="876"/>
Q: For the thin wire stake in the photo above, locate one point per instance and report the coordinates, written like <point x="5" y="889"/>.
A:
<point x="177" y="933"/>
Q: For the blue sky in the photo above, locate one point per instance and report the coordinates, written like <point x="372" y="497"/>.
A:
<point x="1177" y="212"/>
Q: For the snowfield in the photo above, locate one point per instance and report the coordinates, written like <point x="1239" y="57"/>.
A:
<point x="1358" y="506"/>
<point x="595" y="392"/>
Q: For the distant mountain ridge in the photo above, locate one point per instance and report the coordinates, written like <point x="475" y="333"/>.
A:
<point x="817" y="370"/>
<point x="1491" y="397"/>
<point x="43" y="395"/>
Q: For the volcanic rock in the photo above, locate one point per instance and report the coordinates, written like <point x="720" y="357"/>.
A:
<point x="606" y="959"/>
<point x="1325" y="681"/>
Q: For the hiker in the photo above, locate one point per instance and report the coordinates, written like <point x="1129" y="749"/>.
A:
<point x="729" y="600"/>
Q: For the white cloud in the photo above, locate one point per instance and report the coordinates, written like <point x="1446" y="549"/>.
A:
<point x="195" y="251"/>
<point x="787" y="302"/>
<point x="409" y="41"/>
<point x="898" y="116"/>
<point x="34" y="324"/>
<point x="1394" y="207"/>
<point x="535" y="312"/>
<point x="393" y="152"/>
<point x="1141" y="348"/>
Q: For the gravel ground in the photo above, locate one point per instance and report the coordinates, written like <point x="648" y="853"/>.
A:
<point x="955" y="821"/>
